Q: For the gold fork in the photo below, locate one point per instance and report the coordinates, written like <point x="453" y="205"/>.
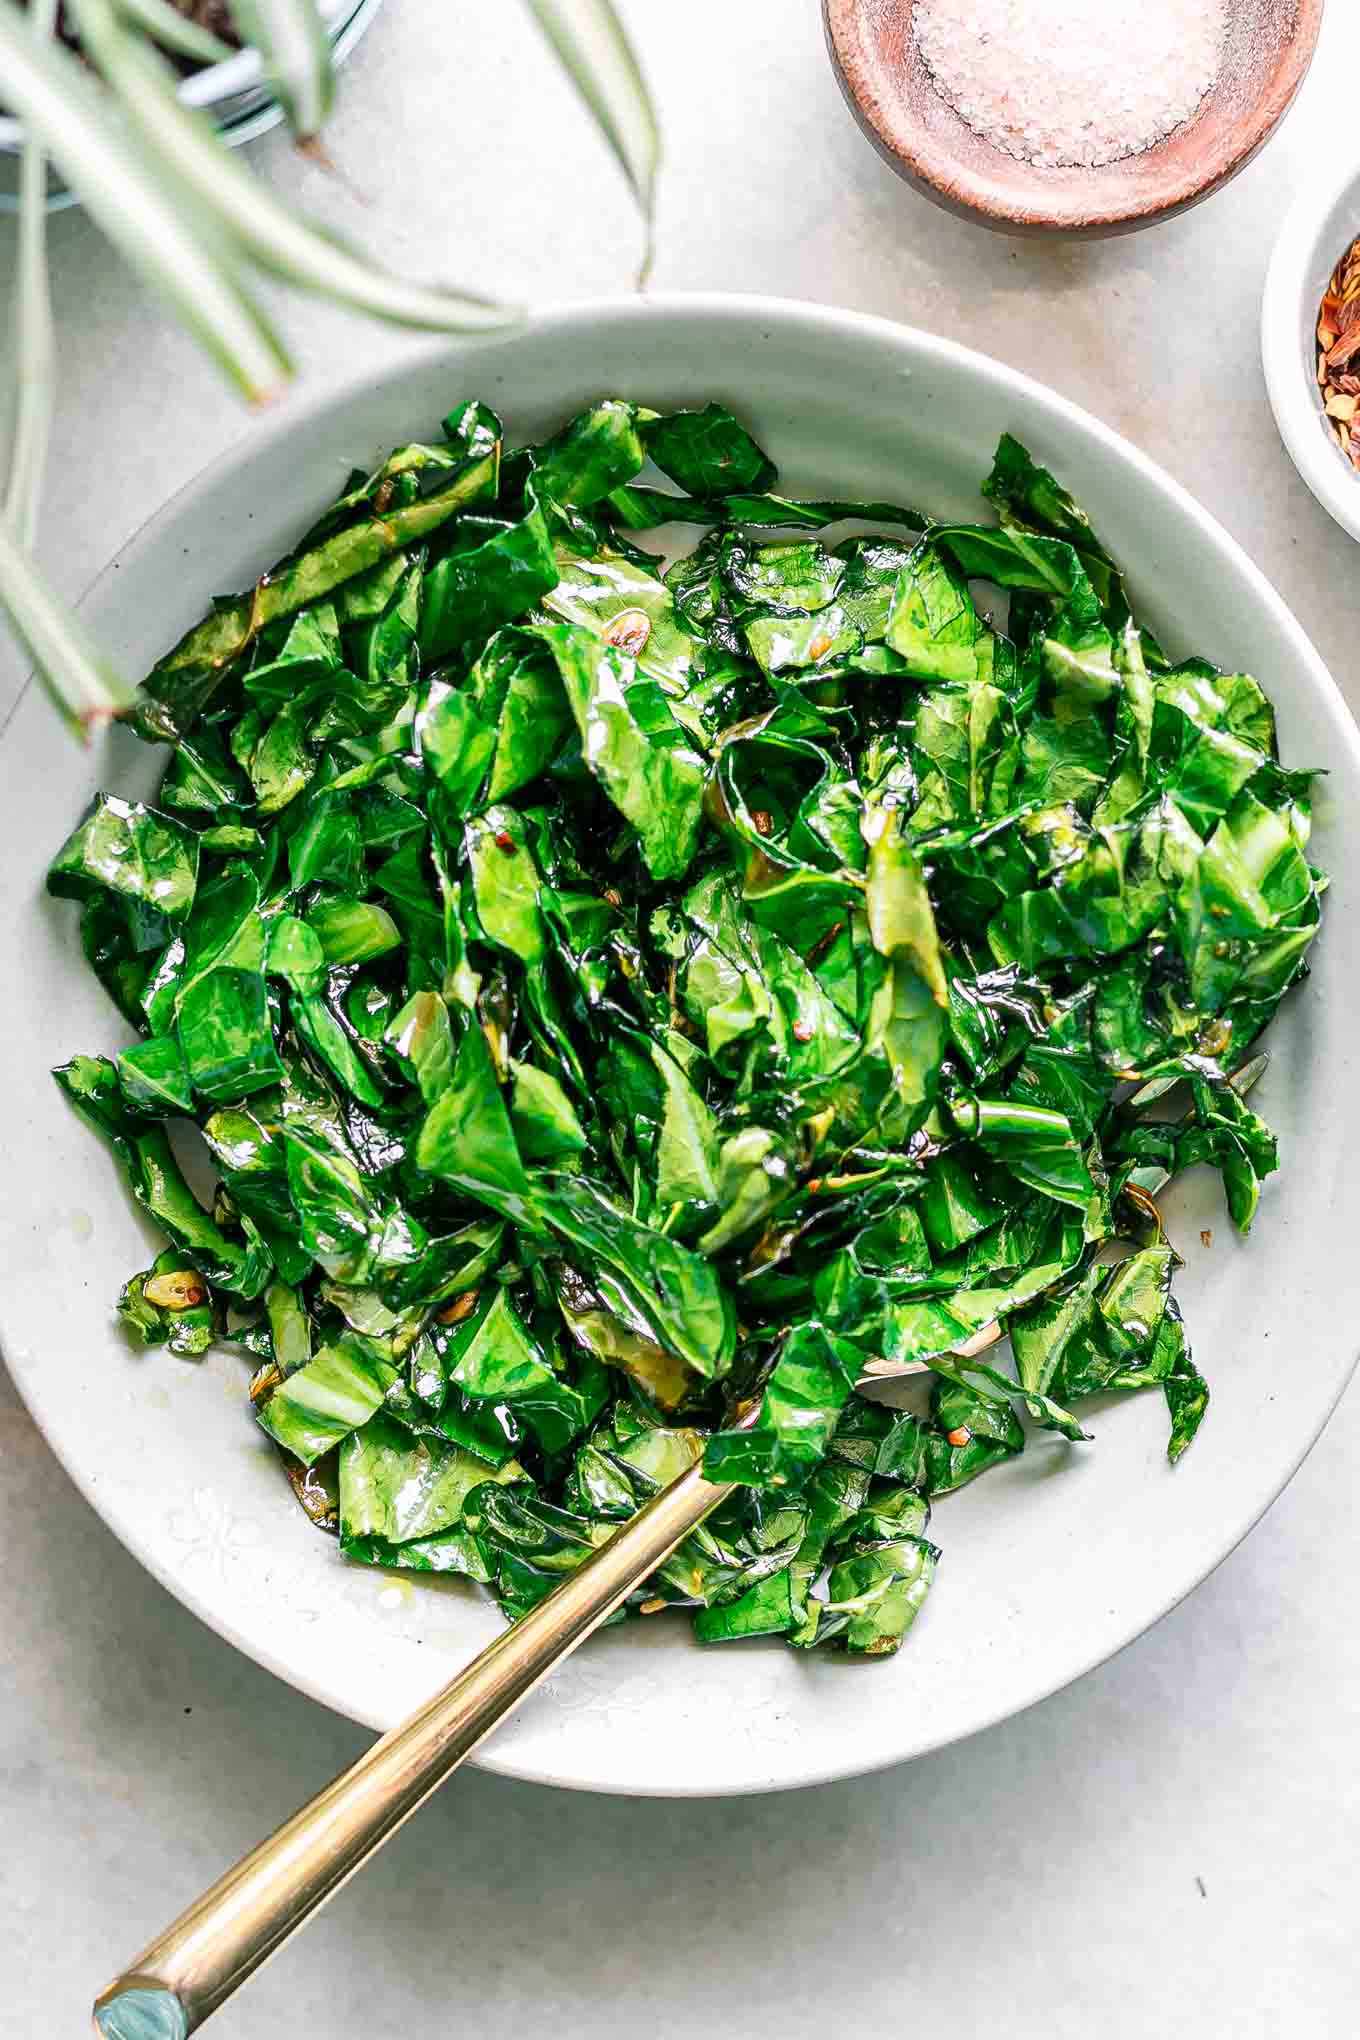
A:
<point x="182" y="1977"/>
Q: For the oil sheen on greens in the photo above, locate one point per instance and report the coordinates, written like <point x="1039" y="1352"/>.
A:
<point x="608" y="990"/>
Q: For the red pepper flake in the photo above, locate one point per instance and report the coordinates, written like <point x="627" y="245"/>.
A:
<point x="764" y="821"/>
<point x="505" y="841"/>
<point x="814" y="1185"/>
<point x="963" y="1436"/>
<point x="802" y="1030"/>
<point x="820" y="646"/>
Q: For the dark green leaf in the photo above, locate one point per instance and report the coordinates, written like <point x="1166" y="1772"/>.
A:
<point x="802" y="1402"/>
<point x="334" y="1394"/>
<point x="543" y="1117"/>
<point x="401" y="1489"/>
<point x="614" y="989"/>
<point x="154" y="1078"/>
<point x="467" y="1139"/>
<point x="661" y="1287"/>
<point x="185" y="680"/>
<point x="708" y="453"/>
<point x="225" y="1034"/>
<point x="656" y="782"/>
<point x="474" y="589"/>
<point x="123" y="847"/>
<point x="597" y="452"/>
<point x="352" y="931"/>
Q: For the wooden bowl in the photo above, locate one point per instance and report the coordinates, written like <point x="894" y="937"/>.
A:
<point x="881" y="72"/>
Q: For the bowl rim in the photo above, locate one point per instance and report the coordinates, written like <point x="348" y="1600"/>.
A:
<point x="941" y="176"/>
<point x="1290" y="298"/>
<point x="795" y="318"/>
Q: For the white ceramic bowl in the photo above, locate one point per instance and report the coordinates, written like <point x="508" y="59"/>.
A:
<point x="1050" y="1564"/>
<point x="1318" y="229"/>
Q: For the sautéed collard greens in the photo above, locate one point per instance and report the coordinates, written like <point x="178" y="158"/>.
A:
<point x="611" y="991"/>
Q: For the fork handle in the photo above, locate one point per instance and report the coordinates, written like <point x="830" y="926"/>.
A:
<point x="224" y="1936"/>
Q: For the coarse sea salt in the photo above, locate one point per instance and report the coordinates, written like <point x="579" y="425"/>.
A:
<point x="1072" y="82"/>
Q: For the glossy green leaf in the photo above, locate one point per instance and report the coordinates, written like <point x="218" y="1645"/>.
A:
<point x="400" y="1489"/>
<point x="323" y="1402"/>
<point x="623" y="600"/>
<point x="611" y="993"/>
<point x="709" y="453"/>
<point x="873" y="1598"/>
<point x="687" y="1150"/>
<point x="295" y="954"/>
<point x="226" y="1036"/>
<point x="501" y="1362"/>
<point x="473" y="590"/>
<point x="127" y="848"/>
<point x="658" y="1284"/>
<point x="421" y="1037"/>
<point x="467" y="1139"/>
<point x="799" y="1411"/>
<point x="154" y="1077"/>
<point x="352" y="931"/>
<point x="186" y="678"/>
<point x="187" y="1325"/>
<point x="544" y="1119"/>
<point x="657" y="783"/>
<point x="598" y="451"/>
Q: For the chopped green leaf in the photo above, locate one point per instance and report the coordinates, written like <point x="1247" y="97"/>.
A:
<point x="632" y="1005"/>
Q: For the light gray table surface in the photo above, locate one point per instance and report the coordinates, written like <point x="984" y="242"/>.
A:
<point x="1169" y="1846"/>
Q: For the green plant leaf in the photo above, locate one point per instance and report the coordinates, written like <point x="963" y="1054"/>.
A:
<point x="467" y="1139"/>
<point x="226" y="202"/>
<point x="225" y="1034"/>
<point x="799" y="1411"/>
<point x="163" y="21"/>
<point x="687" y="1149"/>
<point x="30" y="397"/>
<point x="154" y="1078"/>
<point x="352" y="931"/>
<point x="84" y="688"/>
<point x="544" y="1119"/>
<point x="293" y="40"/>
<point x="595" y="52"/>
<point x="179" y="253"/>
<point x="709" y="453"/>
<point x="670" y="1292"/>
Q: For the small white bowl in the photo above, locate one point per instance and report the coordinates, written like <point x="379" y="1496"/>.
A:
<point x="1318" y="230"/>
